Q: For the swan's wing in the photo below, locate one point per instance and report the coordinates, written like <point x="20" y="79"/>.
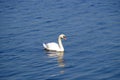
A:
<point x="51" y="46"/>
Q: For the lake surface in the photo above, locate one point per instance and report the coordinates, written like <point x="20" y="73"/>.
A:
<point x="92" y="48"/>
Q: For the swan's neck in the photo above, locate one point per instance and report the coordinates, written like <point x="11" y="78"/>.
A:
<point x="60" y="44"/>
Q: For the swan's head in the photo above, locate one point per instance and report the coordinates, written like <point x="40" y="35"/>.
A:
<point x="62" y="36"/>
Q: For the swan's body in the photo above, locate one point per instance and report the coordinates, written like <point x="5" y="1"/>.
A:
<point x="52" y="46"/>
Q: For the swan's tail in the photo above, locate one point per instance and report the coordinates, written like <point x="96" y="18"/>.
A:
<point x="44" y="45"/>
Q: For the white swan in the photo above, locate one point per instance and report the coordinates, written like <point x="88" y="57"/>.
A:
<point x="52" y="46"/>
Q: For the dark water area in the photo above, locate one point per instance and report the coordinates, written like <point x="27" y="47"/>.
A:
<point x="92" y="48"/>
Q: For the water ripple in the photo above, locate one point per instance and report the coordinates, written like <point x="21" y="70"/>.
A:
<point x="91" y="50"/>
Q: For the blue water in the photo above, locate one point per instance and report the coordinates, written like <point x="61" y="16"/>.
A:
<point x="92" y="48"/>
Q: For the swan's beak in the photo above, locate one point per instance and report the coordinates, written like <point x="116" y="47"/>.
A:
<point x="64" y="38"/>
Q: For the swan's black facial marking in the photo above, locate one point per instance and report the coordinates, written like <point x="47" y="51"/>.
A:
<point x="64" y="37"/>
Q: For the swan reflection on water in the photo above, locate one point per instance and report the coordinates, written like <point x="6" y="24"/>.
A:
<point x="59" y="56"/>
